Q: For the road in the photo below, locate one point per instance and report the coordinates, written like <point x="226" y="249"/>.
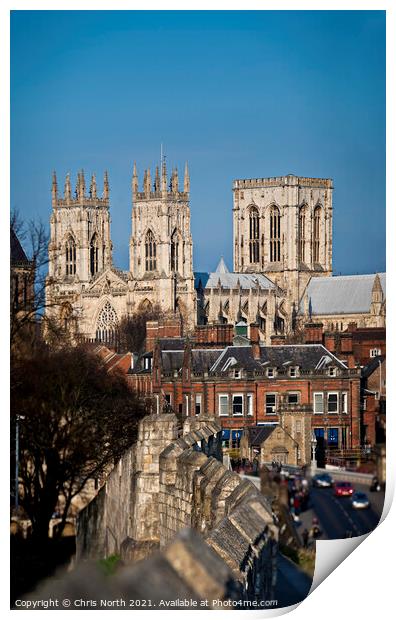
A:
<point x="336" y="515"/>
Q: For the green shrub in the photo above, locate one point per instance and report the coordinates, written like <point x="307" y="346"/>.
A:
<point x="110" y="565"/>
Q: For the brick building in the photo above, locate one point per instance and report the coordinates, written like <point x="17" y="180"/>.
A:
<point x="355" y="346"/>
<point x="374" y="402"/>
<point x="250" y="384"/>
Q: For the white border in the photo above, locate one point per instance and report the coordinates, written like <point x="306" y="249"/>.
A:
<point x="361" y="586"/>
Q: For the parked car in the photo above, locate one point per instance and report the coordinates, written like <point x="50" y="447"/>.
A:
<point x="322" y="481"/>
<point x="360" y="500"/>
<point x="343" y="489"/>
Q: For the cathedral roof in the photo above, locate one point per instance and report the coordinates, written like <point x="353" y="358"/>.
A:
<point x="230" y="279"/>
<point x="341" y="294"/>
<point x="222" y="267"/>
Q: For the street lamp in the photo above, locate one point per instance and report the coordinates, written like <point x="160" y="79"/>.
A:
<point x="314" y="442"/>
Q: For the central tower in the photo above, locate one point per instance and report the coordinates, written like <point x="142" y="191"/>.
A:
<point x="283" y="228"/>
<point x="161" y="244"/>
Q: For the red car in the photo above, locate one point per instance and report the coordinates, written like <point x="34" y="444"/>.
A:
<point x="343" y="489"/>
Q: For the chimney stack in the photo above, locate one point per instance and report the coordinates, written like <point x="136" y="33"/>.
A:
<point x="255" y="340"/>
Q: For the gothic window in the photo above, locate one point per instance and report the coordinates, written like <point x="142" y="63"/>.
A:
<point x="254" y="236"/>
<point x="107" y="324"/>
<point x="174" y="251"/>
<point x="94" y="255"/>
<point x="275" y="239"/>
<point x="301" y="227"/>
<point x="70" y="257"/>
<point x="316" y="234"/>
<point x="151" y="252"/>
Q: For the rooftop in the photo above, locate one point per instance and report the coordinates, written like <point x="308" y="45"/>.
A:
<point x="305" y="357"/>
<point x="18" y="255"/>
<point x="231" y="280"/>
<point x="341" y="294"/>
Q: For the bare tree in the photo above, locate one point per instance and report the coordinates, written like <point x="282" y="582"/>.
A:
<point x="132" y="330"/>
<point x="75" y="419"/>
<point x="29" y="284"/>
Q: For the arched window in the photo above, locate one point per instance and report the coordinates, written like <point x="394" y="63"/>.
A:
<point x="316" y="234"/>
<point x="151" y="252"/>
<point x="275" y="238"/>
<point x="70" y="257"/>
<point x="254" y="236"/>
<point x="94" y="255"/>
<point x="174" y="251"/>
<point x="107" y="324"/>
<point x="301" y="229"/>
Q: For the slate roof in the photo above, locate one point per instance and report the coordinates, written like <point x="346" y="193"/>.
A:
<point x="341" y="294"/>
<point x="18" y="255"/>
<point x="171" y="344"/>
<point x="202" y="359"/>
<point x="306" y="357"/>
<point x="258" y="434"/>
<point x="372" y="365"/>
<point x="230" y="279"/>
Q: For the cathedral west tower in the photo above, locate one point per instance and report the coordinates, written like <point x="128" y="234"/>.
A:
<point x="161" y="243"/>
<point x="80" y="244"/>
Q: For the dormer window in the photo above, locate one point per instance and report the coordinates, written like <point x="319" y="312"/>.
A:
<point x="332" y="371"/>
<point x="230" y="362"/>
<point x="293" y="371"/>
<point x="270" y="373"/>
<point x="237" y="373"/>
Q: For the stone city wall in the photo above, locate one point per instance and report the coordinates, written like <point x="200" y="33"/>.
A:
<point x="165" y="486"/>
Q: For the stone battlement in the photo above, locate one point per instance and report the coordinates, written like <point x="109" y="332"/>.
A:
<point x="290" y="180"/>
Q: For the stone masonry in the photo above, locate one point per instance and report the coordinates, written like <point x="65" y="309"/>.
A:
<point x="166" y="487"/>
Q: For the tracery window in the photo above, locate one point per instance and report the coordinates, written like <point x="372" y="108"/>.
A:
<point x="70" y="257"/>
<point x="151" y="252"/>
<point x="316" y="235"/>
<point x="107" y="324"/>
<point x="174" y="251"/>
<point x="275" y="238"/>
<point x="254" y="236"/>
<point x="301" y="227"/>
<point x="94" y="255"/>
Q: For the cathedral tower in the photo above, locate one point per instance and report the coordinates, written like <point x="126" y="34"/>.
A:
<point x="80" y="244"/>
<point x="283" y="228"/>
<point x="161" y="243"/>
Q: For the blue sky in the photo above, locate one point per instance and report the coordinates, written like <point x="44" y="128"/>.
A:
<point x="237" y="94"/>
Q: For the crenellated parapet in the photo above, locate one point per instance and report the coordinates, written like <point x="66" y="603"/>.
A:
<point x="288" y="180"/>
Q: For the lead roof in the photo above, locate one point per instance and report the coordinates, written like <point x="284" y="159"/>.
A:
<point x="341" y="294"/>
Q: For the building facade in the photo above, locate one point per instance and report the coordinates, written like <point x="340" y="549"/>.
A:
<point x="298" y="386"/>
<point x="84" y="290"/>
<point x="230" y="298"/>
<point x="282" y="259"/>
<point x="283" y="228"/>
